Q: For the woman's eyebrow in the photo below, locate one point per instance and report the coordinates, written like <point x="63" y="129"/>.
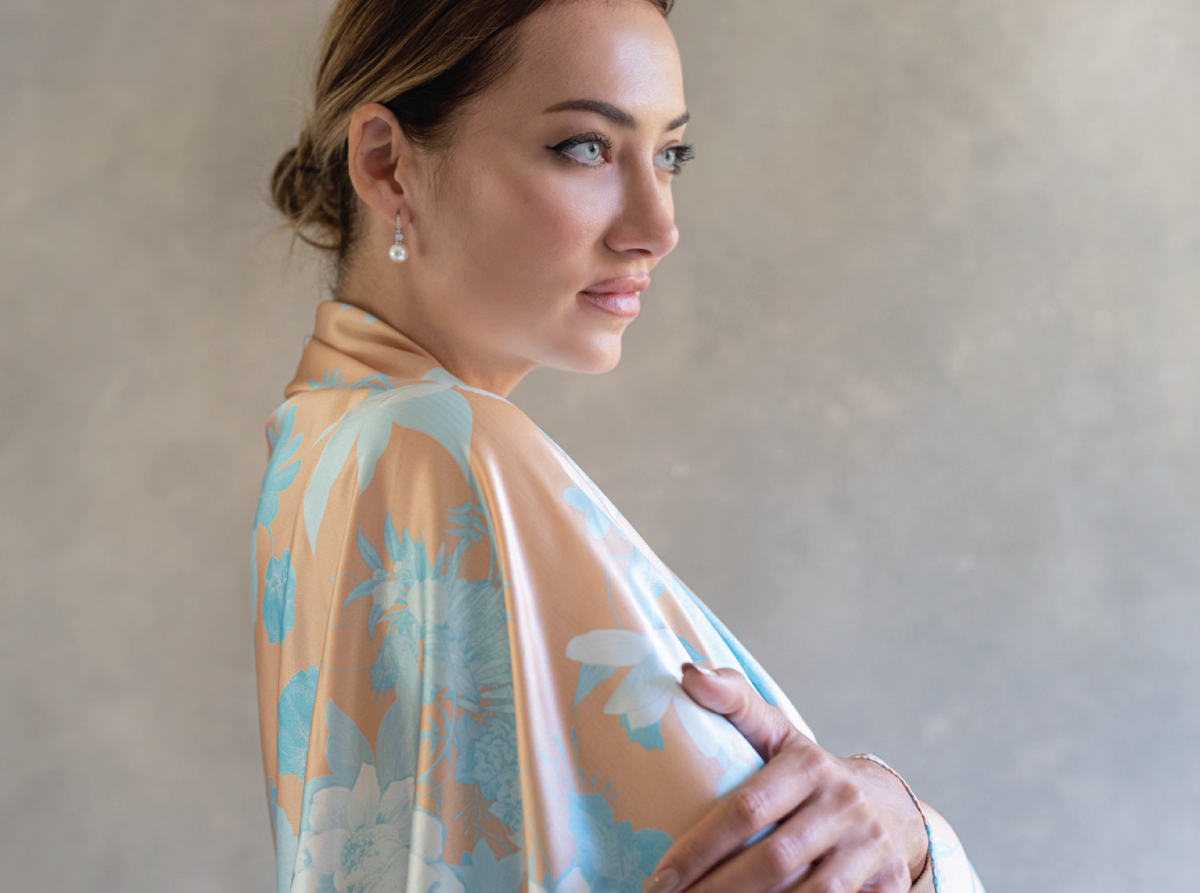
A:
<point x="618" y="116"/>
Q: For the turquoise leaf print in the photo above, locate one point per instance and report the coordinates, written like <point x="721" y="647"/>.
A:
<point x="650" y="737"/>
<point x="644" y="577"/>
<point x="481" y="872"/>
<point x="645" y="585"/>
<point x="375" y="382"/>
<point x="444" y="376"/>
<point x="397" y="741"/>
<point x="295" y="721"/>
<point x="469" y="520"/>
<point x="612" y="857"/>
<point x="333" y="379"/>
<point x="398" y="657"/>
<point x="368" y="552"/>
<point x="433" y="408"/>
<point x="279" y="475"/>
<point x="598" y="522"/>
<point x="587" y="486"/>
<point x="346" y="750"/>
<point x="589" y="677"/>
<point x="279" y="596"/>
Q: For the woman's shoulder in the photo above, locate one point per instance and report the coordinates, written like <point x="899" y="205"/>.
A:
<point x="345" y="451"/>
<point x="455" y="416"/>
<point x="471" y="424"/>
<point x="403" y="428"/>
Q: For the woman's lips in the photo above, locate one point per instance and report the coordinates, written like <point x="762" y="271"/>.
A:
<point x="618" y="296"/>
<point x="626" y="304"/>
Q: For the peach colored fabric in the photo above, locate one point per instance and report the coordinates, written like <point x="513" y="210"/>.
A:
<point x="468" y="660"/>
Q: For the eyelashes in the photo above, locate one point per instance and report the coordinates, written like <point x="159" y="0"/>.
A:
<point x="581" y="139"/>
<point x="682" y="152"/>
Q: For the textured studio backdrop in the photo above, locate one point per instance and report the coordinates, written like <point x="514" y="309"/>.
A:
<point x="914" y="407"/>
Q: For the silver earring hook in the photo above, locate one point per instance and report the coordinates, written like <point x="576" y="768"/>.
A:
<point x="398" y="252"/>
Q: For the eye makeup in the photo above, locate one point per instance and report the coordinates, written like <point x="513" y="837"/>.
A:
<point x="684" y="152"/>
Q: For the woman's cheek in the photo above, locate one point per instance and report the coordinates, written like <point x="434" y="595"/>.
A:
<point x="572" y="210"/>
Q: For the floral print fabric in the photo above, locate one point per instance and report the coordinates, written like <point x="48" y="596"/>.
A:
<point x="467" y="660"/>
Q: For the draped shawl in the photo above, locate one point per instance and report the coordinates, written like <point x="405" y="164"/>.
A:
<point x="468" y="661"/>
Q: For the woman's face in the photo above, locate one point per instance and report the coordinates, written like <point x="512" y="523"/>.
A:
<point x="529" y="244"/>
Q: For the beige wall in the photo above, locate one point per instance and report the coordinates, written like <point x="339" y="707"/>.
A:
<point x="913" y="406"/>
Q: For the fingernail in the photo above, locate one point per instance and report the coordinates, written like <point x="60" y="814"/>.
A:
<point x="664" y="881"/>
<point x="705" y="670"/>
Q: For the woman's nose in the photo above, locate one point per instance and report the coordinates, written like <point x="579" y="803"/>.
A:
<point x="646" y="221"/>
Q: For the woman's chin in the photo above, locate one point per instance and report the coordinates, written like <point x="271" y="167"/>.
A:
<point x="594" y="359"/>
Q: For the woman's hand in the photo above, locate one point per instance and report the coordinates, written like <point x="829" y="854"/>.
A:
<point x="844" y="825"/>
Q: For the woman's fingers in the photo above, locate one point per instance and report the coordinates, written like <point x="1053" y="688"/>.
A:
<point x="830" y="843"/>
<point x="795" y="767"/>
<point x="768" y="796"/>
<point x="828" y="836"/>
<point x="728" y="692"/>
<point x="864" y="861"/>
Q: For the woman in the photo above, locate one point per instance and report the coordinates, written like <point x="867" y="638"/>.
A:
<point x="473" y="674"/>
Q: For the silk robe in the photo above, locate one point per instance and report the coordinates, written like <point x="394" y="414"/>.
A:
<point x="467" y="659"/>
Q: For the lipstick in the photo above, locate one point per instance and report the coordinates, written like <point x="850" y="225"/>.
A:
<point x="618" y="296"/>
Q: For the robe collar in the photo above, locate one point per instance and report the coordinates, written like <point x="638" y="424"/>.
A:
<point x="351" y="349"/>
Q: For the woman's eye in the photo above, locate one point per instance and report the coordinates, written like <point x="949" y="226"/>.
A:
<point x="674" y="157"/>
<point x="588" y="152"/>
<point x="587" y="149"/>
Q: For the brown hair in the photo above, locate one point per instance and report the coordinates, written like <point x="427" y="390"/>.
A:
<point x="422" y="59"/>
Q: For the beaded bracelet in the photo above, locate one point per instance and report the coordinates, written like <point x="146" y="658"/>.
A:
<point x="917" y="803"/>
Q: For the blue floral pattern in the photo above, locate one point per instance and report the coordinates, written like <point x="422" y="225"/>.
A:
<point x="280" y="470"/>
<point x="295" y="721"/>
<point x="443" y="598"/>
<point x="613" y="856"/>
<point x="279" y="597"/>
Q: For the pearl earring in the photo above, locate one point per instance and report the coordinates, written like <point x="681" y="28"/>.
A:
<point x="398" y="252"/>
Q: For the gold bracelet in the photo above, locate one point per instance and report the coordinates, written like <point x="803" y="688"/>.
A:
<point x="916" y="803"/>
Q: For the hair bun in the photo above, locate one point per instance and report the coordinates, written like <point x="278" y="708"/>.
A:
<point x="303" y="189"/>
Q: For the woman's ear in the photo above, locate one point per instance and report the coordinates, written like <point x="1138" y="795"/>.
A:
<point x="382" y="160"/>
